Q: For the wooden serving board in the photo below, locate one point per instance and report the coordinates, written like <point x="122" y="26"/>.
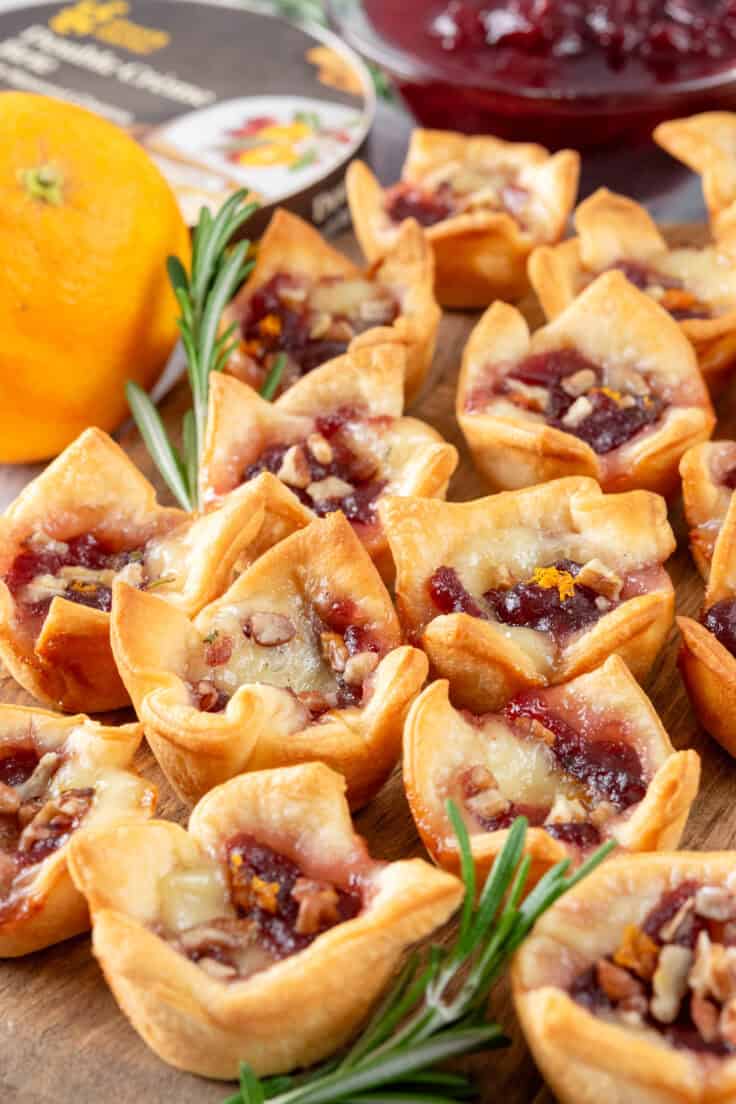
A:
<point x="62" y="1038"/>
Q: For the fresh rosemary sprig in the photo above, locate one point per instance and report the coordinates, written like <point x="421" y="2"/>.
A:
<point x="218" y="270"/>
<point x="436" y="1009"/>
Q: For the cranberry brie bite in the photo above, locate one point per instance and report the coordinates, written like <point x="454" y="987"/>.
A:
<point x="300" y="659"/>
<point x="708" y="481"/>
<point x="626" y="988"/>
<point x="89" y="517"/>
<point x="696" y="286"/>
<point x="706" y="143"/>
<point x="336" y="439"/>
<point x="306" y="300"/>
<point x="584" y="762"/>
<point x="533" y="587"/>
<point x="59" y="778"/>
<point x="484" y="203"/>
<point x="264" y="934"/>
<point x="708" y="653"/>
<point x="610" y="388"/>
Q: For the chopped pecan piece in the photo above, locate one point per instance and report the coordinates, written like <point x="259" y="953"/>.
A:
<point x="581" y="409"/>
<point x="269" y="629"/>
<point x="359" y="666"/>
<point x="670" y="982"/>
<point x="334" y="650"/>
<point x="617" y="983"/>
<point x="714" y="970"/>
<point x="320" y="325"/>
<point x="324" y="490"/>
<point x="294" y="468"/>
<point x="637" y="952"/>
<point x="579" y="382"/>
<point x="207" y="696"/>
<point x="679" y="925"/>
<point x="529" y="396"/>
<point x="621" y="378"/>
<point x="320" y="448"/>
<point x="566" y="811"/>
<point x="602" y="579"/>
<point x="705" y="1016"/>
<point x="715" y="903"/>
<point x="317" y="902"/>
<point x="223" y="971"/>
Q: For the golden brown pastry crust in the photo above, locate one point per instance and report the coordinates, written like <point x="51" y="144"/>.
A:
<point x="439" y="741"/>
<point x="406" y="270"/>
<point x="412" y="457"/>
<point x="583" y="1057"/>
<point x="706" y="143"/>
<point x="487" y="663"/>
<point x="706" y="498"/>
<point x="707" y="667"/>
<point x="612" y="228"/>
<point x="264" y="725"/>
<point x="479" y="255"/>
<point x="207" y="1026"/>
<point x="48" y="908"/>
<point x="609" y="321"/>
<point x="94" y="487"/>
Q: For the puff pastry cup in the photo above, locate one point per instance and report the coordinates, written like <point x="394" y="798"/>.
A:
<point x="484" y="203"/>
<point x="708" y="481"/>
<point x="610" y="388"/>
<point x="625" y="988"/>
<point x="706" y="143"/>
<point x="531" y="588"/>
<point x="307" y="300"/>
<point x="268" y="911"/>
<point x="696" y="286"/>
<point x="336" y="439"/>
<point x="300" y="659"/>
<point x="584" y="762"/>
<point x="60" y="778"/>
<point x="90" y="516"/>
<point x="707" y="657"/>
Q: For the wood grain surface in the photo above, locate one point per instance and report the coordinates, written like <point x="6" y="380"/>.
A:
<point x="62" y="1038"/>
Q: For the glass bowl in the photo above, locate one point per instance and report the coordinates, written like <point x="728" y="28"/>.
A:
<point x="587" y="106"/>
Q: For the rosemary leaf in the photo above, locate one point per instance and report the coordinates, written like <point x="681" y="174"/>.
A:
<point x="157" y="442"/>
<point x="273" y="379"/>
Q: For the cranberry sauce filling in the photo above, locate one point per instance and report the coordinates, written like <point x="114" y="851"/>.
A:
<point x="351" y="651"/>
<point x="279" y="319"/>
<point x="568" y="389"/>
<point x="607" y="766"/>
<point x="671" y="292"/>
<point x="289" y="909"/>
<point x="720" y="619"/>
<point x="674" y="972"/>
<point x="729" y="479"/>
<point x="406" y="200"/>
<point x="325" y="472"/>
<point x="86" y="552"/>
<point x="32" y="824"/>
<point x="550" y="601"/>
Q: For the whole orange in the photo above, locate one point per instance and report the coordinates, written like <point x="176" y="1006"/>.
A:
<point x="86" y="224"/>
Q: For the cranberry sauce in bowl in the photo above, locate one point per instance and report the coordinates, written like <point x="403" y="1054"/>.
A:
<point x="309" y="321"/>
<point x="674" y="973"/>
<point x="559" y="72"/>
<point x="561" y="599"/>
<point x="326" y="471"/>
<point x="79" y="569"/>
<point x="560" y="763"/>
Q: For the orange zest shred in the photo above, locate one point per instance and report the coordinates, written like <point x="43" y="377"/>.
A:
<point x="637" y="952"/>
<point x="265" y="893"/>
<point x="548" y="577"/>
<point x="609" y="392"/>
<point x="270" y="325"/>
<point x="679" y="299"/>
<point x="83" y="588"/>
